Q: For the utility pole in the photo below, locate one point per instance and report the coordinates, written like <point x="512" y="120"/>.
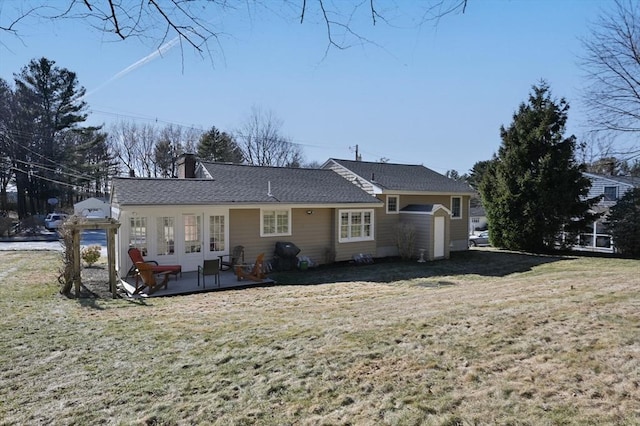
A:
<point x="358" y="158"/>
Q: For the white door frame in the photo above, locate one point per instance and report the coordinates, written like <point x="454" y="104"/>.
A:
<point x="438" y="237"/>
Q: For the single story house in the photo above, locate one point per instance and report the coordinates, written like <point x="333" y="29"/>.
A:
<point x="186" y="220"/>
<point x="93" y="207"/>
<point x="213" y="207"/>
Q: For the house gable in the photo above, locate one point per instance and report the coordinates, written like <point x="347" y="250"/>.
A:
<point x="612" y="188"/>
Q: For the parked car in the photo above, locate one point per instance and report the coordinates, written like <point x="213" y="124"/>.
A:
<point x="482" y="239"/>
<point x="54" y="220"/>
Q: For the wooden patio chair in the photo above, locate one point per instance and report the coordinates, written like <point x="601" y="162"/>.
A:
<point x="253" y="272"/>
<point x="136" y="257"/>
<point x="236" y="257"/>
<point x="209" y="267"/>
<point x="148" y="277"/>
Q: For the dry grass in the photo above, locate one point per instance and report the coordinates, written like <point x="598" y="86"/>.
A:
<point x="485" y="338"/>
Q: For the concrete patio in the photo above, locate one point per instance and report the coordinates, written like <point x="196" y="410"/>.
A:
<point x="187" y="283"/>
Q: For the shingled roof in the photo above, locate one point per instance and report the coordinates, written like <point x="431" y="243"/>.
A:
<point x="404" y="177"/>
<point x="235" y="184"/>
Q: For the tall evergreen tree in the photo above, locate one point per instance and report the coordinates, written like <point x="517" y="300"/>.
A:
<point x="6" y="143"/>
<point x="47" y="102"/>
<point x="624" y="223"/>
<point x="534" y="188"/>
<point x="215" y="145"/>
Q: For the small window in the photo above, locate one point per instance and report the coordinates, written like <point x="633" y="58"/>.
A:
<point x="392" y="204"/>
<point x="356" y="225"/>
<point x="456" y="207"/>
<point x="610" y="193"/>
<point x="275" y="223"/>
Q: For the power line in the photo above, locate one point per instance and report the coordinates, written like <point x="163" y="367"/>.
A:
<point x="36" y="176"/>
<point x="53" y="170"/>
<point x="79" y="174"/>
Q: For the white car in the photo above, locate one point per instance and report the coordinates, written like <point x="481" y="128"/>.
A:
<point x="54" y="220"/>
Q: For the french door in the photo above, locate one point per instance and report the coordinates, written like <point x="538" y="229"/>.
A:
<point x="192" y="245"/>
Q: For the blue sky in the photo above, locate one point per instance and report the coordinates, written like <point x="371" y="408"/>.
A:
<point x="432" y="94"/>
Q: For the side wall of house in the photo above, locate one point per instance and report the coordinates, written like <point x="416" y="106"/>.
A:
<point x="311" y="233"/>
<point x="386" y="230"/>
<point x="422" y="224"/>
<point x="346" y="250"/>
<point x="387" y="222"/>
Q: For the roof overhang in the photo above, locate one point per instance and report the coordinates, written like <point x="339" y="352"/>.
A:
<point x="434" y="209"/>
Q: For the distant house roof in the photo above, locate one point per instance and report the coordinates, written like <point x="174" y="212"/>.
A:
<point x="477" y="212"/>
<point x="242" y="184"/>
<point x="391" y="177"/>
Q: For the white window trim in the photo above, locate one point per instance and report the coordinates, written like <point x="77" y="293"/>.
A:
<point x="275" y="234"/>
<point x="357" y="239"/>
<point x="461" y="215"/>
<point x="397" y="197"/>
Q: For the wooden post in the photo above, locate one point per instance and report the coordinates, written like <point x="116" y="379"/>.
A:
<point x="75" y="233"/>
<point x="111" y="226"/>
<point x="111" y="259"/>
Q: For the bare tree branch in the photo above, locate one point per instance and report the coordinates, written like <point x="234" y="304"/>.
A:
<point x="189" y="20"/>
<point x="612" y="66"/>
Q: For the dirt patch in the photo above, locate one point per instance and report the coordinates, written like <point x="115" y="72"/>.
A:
<point x="95" y="282"/>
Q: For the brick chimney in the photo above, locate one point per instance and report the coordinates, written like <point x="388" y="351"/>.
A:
<point x="187" y="166"/>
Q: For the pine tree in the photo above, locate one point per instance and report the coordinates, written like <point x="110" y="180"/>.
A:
<point x="534" y="188"/>
<point x="219" y="146"/>
<point x="624" y="223"/>
<point x="47" y="102"/>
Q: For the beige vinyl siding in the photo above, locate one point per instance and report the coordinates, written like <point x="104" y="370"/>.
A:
<point x="423" y="224"/>
<point x="386" y="228"/>
<point x="458" y="230"/>
<point x="345" y="251"/>
<point x="425" y="228"/>
<point x="244" y="230"/>
<point x="311" y="233"/>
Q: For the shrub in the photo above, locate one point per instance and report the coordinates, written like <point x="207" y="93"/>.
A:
<point x="405" y="240"/>
<point x="5" y="226"/>
<point x="90" y="254"/>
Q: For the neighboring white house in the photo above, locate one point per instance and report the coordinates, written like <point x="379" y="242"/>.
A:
<point x="93" y="207"/>
<point x="611" y="188"/>
<point x="477" y="219"/>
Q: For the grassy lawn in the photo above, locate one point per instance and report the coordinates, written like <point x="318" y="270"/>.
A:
<point x="487" y="337"/>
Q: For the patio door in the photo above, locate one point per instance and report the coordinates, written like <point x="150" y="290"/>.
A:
<point x="216" y="234"/>
<point x="193" y="241"/>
